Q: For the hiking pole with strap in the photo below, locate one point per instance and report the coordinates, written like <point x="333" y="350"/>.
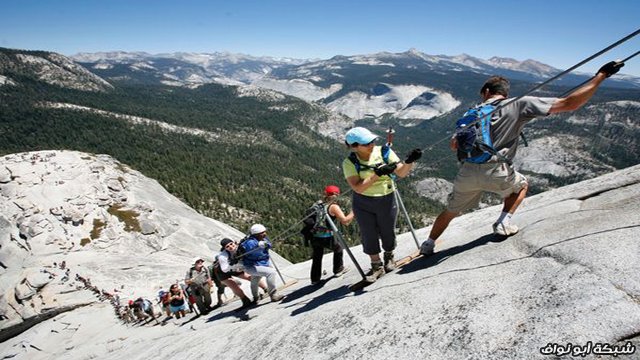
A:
<point x="343" y="243"/>
<point x="396" y="192"/>
<point x="270" y="258"/>
<point x="277" y="270"/>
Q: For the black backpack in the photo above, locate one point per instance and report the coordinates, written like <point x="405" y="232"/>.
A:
<point x="314" y="221"/>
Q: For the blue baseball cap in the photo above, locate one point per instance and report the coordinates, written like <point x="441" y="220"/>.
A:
<point x="359" y="135"/>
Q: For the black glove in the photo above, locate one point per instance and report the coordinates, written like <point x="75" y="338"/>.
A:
<point x="385" y="169"/>
<point x="413" y="155"/>
<point x="610" y="68"/>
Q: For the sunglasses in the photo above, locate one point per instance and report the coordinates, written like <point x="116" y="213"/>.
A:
<point x="355" y="144"/>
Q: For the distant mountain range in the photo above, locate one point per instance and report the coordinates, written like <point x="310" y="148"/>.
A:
<point x="174" y="117"/>
<point x="242" y="68"/>
<point x="411" y="86"/>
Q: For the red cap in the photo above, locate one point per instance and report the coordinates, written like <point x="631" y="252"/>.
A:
<point x="332" y="190"/>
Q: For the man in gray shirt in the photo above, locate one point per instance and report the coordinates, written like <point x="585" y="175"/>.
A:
<point x="497" y="175"/>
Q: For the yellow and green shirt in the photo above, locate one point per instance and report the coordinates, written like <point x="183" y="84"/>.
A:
<point x="384" y="185"/>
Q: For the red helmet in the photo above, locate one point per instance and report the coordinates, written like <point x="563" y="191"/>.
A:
<point x="331" y="190"/>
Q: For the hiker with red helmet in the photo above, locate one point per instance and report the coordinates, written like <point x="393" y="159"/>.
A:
<point x="320" y="236"/>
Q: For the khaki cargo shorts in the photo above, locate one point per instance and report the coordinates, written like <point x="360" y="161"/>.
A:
<point x="473" y="179"/>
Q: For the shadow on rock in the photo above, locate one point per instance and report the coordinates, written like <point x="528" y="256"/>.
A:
<point x="440" y="256"/>
<point x="194" y="317"/>
<point x="304" y="291"/>
<point x="333" y="295"/>
<point x="239" y="313"/>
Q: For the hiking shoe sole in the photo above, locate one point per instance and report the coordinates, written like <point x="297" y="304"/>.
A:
<point x="505" y="229"/>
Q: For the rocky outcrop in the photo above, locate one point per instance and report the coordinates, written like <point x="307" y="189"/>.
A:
<point x="96" y="216"/>
<point x="568" y="277"/>
<point x="434" y="188"/>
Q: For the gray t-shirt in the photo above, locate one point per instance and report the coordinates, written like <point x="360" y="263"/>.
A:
<point x="199" y="278"/>
<point x="507" y="122"/>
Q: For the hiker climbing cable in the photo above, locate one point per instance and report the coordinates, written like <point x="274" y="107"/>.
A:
<point x="486" y="140"/>
<point x="226" y="266"/>
<point x="163" y="300"/>
<point x="177" y="301"/>
<point x="199" y="281"/>
<point x="143" y="309"/>
<point x="319" y="234"/>
<point x="256" y="261"/>
<point x="367" y="170"/>
<point x="220" y="286"/>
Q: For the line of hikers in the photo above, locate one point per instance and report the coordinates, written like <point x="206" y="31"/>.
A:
<point x="486" y="139"/>
<point x="247" y="260"/>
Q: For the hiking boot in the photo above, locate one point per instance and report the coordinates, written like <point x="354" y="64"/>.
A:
<point x="426" y="248"/>
<point x="315" y="282"/>
<point x="246" y="302"/>
<point x="377" y="270"/>
<point x="389" y="263"/>
<point x="276" y="297"/>
<point x="343" y="270"/>
<point x="503" y="229"/>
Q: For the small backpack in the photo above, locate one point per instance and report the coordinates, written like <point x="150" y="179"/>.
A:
<point x="313" y="222"/>
<point x="385" y="149"/>
<point x="473" y="134"/>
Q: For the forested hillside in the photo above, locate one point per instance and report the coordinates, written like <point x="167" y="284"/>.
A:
<point x="244" y="155"/>
<point x="266" y="165"/>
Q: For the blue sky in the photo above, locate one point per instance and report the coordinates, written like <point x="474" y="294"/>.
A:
<point x="559" y="33"/>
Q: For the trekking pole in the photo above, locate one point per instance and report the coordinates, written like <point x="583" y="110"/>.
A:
<point x="396" y="192"/>
<point x="406" y="214"/>
<point x="277" y="270"/>
<point x="343" y="243"/>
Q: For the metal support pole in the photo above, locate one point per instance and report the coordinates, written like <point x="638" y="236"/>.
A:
<point x="344" y="244"/>
<point x="278" y="270"/>
<point x="406" y="215"/>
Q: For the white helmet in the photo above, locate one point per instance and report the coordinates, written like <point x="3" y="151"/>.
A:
<point x="257" y="229"/>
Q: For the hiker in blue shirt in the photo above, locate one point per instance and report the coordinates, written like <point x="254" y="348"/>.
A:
<point x="255" y="258"/>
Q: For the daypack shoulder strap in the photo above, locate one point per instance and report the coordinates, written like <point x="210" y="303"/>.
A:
<point x="385" y="150"/>
<point x="354" y="159"/>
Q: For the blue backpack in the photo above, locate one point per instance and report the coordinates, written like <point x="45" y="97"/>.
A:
<point x="473" y="134"/>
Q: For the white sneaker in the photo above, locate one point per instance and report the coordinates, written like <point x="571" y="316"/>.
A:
<point x="426" y="248"/>
<point x="503" y="229"/>
<point x="276" y="297"/>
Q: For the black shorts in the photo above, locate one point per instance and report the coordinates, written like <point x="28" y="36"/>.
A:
<point x="227" y="275"/>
